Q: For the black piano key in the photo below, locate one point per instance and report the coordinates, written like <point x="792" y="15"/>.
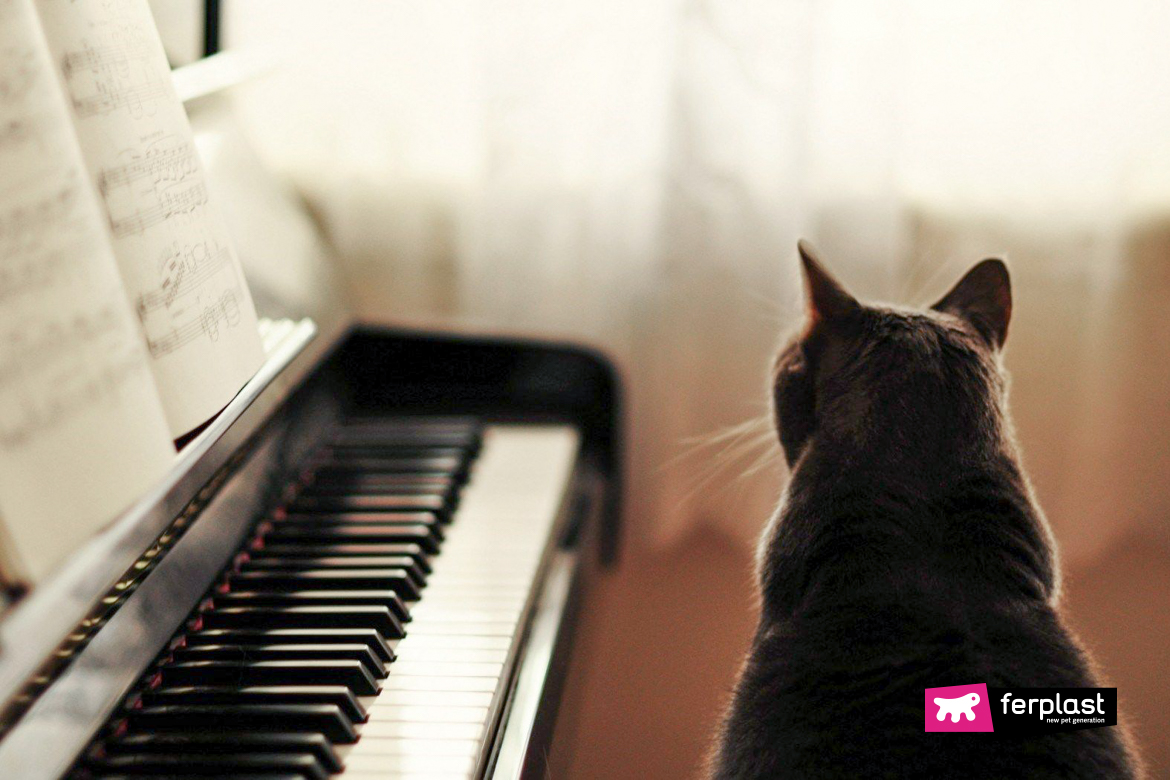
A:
<point x="333" y="479"/>
<point x="387" y="520"/>
<point x="380" y="420"/>
<point x="218" y="743"/>
<point x="302" y="765"/>
<point x="347" y="523"/>
<point x="359" y="484"/>
<point x="315" y="598"/>
<point x="422" y="535"/>
<point x="329" y="469"/>
<point x="467" y="441"/>
<point x="383" y="503"/>
<point x="343" y="550"/>
<point x="378" y="618"/>
<point x="342" y="452"/>
<point x="389" y="464"/>
<point x="340" y="695"/>
<point x="296" y="652"/>
<point x="181" y="776"/>
<point x="326" y="719"/>
<point x="397" y="580"/>
<point x="365" y="435"/>
<point x="283" y="636"/>
<point x="416" y="572"/>
<point x="351" y="674"/>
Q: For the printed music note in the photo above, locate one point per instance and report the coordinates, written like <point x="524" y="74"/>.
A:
<point x="112" y="75"/>
<point x="82" y="429"/>
<point x="183" y="270"/>
<point x="173" y="251"/>
<point x="204" y="324"/>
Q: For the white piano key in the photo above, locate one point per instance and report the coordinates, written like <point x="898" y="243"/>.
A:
<point x="430" y="720"/>
<point x="458" y="654"/>
<point x="445" y="669"/>
<point x="436" y="698"/>
<point x="408" y="776"/>
<point x="395" y="746"/>
<point x="400" y="729"/>
<point x="428" y="628"/>
<point x="473" y="594"/>
<point x="430" y="714"/>
<point x="408" y="683"/>
<point x="466" y="571"/>
<point x="409" y="763"/>
<point x="445" y="611"/>
<point x="437" y="615"/>
<point x="435" y="641"/>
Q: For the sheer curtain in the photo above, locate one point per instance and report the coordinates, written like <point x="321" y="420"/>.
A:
<point x="635" y="174"/>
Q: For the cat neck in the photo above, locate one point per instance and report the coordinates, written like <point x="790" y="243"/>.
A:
<point x="884" y="522"/>
<point x="923" y="456"/>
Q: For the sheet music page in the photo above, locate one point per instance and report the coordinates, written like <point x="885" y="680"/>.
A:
<point x="82" y="432"/>
<point x="180" y="270"/>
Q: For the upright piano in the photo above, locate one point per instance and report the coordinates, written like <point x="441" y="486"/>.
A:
<point x="366" y="566"/>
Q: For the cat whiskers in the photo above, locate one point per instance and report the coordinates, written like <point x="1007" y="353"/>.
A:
<point x="731" y="437"/>
<point x="768" y="457"/>
<point x="736" y="443"/>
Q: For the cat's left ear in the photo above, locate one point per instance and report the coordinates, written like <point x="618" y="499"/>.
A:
<point x="826" y="300"/>
<point x="983" y="297"/>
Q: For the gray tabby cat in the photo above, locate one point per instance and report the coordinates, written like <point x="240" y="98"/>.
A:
<point x="907" y="553"/>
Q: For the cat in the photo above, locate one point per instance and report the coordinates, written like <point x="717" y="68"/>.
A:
<point x="907" y="553"/>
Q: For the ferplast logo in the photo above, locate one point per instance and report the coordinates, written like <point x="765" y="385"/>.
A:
<point x="1057" y="710"/>
<point x="979" y="707"/>
<point x="958" y="708"/>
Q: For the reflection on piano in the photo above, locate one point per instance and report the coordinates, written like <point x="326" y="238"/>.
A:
<point x="297" y="641"/>
<point x="367" y="566"/>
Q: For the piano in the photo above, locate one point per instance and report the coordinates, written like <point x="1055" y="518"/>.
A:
<point x="366" y="567"/>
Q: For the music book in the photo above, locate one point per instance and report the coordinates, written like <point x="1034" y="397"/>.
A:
<point x="125" y="319"/>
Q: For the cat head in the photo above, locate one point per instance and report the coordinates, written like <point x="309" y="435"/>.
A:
<point x="899" y="380"/>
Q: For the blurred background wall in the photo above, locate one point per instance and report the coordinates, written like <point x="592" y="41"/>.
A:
<point x="635" y="173"/>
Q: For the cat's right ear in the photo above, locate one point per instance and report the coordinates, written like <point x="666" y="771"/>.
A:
<point x="983" y="297"/>
<point x="825" y="299"/>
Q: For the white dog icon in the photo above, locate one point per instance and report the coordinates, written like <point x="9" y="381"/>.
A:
<point x="953" y="707"/>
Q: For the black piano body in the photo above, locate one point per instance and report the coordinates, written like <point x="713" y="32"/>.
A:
<point x="137" y="601"/>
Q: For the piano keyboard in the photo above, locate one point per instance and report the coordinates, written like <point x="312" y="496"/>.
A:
<point x="369" y="627"/>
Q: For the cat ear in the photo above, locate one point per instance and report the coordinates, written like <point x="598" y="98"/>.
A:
<point x="983" y="297"/>
<point x="826" y="299"/>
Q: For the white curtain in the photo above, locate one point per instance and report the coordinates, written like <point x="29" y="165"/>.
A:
<point x="635" y="173"/>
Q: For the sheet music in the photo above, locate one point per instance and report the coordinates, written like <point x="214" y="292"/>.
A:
<point x="181" y="272"/>
<point x="82" y="432"/>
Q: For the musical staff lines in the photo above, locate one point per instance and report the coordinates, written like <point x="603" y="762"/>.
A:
<point x="151" y="185"/>
<point x="160" y="162"/>
<point x="183" y="199"/>
<point x="224" y="312"/>
<point x="184" y="270"/>
<point x="44" y="352"/>
<point x="69" y="348"/>
<point x="113" y="75"/>
<point x="105" y="57"/>
<point x="182" y="279"/>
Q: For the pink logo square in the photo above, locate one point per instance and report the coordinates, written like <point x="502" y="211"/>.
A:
<point x="958" y="708"/>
